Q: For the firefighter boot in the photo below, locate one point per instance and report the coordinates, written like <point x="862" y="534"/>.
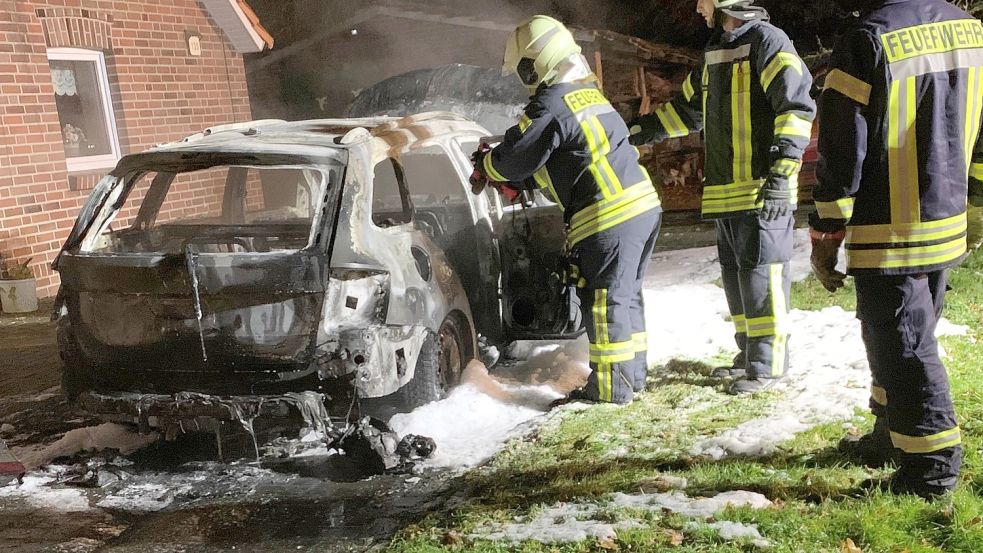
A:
<point x="738" y="369"/>
<point x="873" y="450"/>
<point x="747" y="386"/>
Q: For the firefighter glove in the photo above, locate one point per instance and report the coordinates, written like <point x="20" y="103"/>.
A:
<point x="506" y="190"/>
<point x="640" y="133"/>
<point x="775" y="197"/>
<point x="825" y="256"/>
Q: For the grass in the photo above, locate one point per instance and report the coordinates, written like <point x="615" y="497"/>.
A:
<point x="581" y="456"/>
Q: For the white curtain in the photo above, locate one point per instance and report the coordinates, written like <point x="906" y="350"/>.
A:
<point x="64" y="80"/>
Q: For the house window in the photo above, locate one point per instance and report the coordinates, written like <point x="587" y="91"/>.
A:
<point x="85" y="109"/>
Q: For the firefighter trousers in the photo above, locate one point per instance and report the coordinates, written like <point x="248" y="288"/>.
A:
<point x="898" y="317"/>
<point x="613" y="265"/>
<point x="754" y="261"/>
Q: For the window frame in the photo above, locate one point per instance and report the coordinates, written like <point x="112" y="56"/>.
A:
<point x="103" y="161"/>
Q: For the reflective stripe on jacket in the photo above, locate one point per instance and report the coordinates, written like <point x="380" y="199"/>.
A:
<point x="750" y="95"/>
<point x="901" y="117"/>
<point x="572" y="144"/>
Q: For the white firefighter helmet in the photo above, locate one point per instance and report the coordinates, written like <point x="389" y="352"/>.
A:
<point x="544" y="40"/>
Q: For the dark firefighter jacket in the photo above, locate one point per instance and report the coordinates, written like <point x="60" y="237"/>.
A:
<point x="571" y="143"/>
<point x="750" y="95"/>
<point x="901" y="125"/>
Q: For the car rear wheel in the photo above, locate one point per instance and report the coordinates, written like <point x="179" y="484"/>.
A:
<point x="438" y="368"/>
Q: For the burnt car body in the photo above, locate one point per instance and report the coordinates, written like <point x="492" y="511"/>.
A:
<point x="294" y="269"/>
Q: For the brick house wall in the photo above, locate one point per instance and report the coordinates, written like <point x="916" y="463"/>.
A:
<point x="159" y="93"/>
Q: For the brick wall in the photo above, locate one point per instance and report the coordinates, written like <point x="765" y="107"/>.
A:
<point x="159" y="92"/>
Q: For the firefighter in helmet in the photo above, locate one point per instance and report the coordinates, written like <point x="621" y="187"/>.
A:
<point x="571" y="144"/>
<point x="749" y="93"/>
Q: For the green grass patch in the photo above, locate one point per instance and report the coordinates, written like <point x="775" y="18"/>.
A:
<point x="584" y="455"/>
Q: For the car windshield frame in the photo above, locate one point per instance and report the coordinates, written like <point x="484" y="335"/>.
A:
<point x="112" y="192"/>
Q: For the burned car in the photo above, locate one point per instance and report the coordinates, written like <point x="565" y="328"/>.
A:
<point x="292" y="269"/>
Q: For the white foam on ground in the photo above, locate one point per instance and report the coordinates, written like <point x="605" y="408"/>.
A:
<point x="478" y="417"/>
<point x="36" y="491"/>
<point x="828" y="380"/>
<point x="575" y="522"/>
<point x="697" y="507"/>
<point x="142" y="498"/>
<point x="733" y="531"/>
<point x="561" y="523"/>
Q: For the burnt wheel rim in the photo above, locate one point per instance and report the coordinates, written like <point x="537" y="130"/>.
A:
<point x="450" y="363"/>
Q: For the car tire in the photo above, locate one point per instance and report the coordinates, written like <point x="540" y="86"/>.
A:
<point x="438" y="367"/>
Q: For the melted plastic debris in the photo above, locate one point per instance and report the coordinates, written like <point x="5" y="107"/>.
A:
<point x="91" y="438"/>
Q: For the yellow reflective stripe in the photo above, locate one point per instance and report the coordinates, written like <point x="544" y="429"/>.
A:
<point x="932" y="38"/>
<point x="974" y="110"/>
<point x="604" y="372"/>
<point x="671" y="121"/>
<point x="491" y="171"/>
<point x="688" y="90"/>
<point x="705" y="80"/>
<point x="840" y="209"/>
<point x="849" y="86"/>
<point x="724" y="191"/>
<point x="779" y="309"/>
<point x="787" y="167"/>
<point x="761" y="326"/>
<point x="600" y="168"/>
<point x="728" y="198"/>
<point x="641" y="341"/>
<point x="605" y="207"/>
<point x="927" y="444"/>
<point x="740" y="323"/>
<point x="781" y="61"/>
<point x="912" y="233"/>
<point x="895" y="258"/>
<point x="878" y="395"/>
<point x="524" y="122"/>
<point x="976" y="171"/>
<point x="741" y="120"/>
<point x="543" y="179"/>
<point x="791" y="124"/>
<point x="614" y="217"/>
<point x="620" y="352"/>
<point x="903" y="152"/>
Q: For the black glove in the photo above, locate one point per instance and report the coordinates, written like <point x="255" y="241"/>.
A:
<point x="639" y="133"/>
<point x="825" y="256"/>
<point x="777" y="198"/>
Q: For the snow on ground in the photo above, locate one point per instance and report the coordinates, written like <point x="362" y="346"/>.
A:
<point x="574" y="522"/>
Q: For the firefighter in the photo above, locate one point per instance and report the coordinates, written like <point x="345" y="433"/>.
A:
<point x="899" y="151"/>
<point x="749" y="94"/>
<point x="571" y="144"/>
